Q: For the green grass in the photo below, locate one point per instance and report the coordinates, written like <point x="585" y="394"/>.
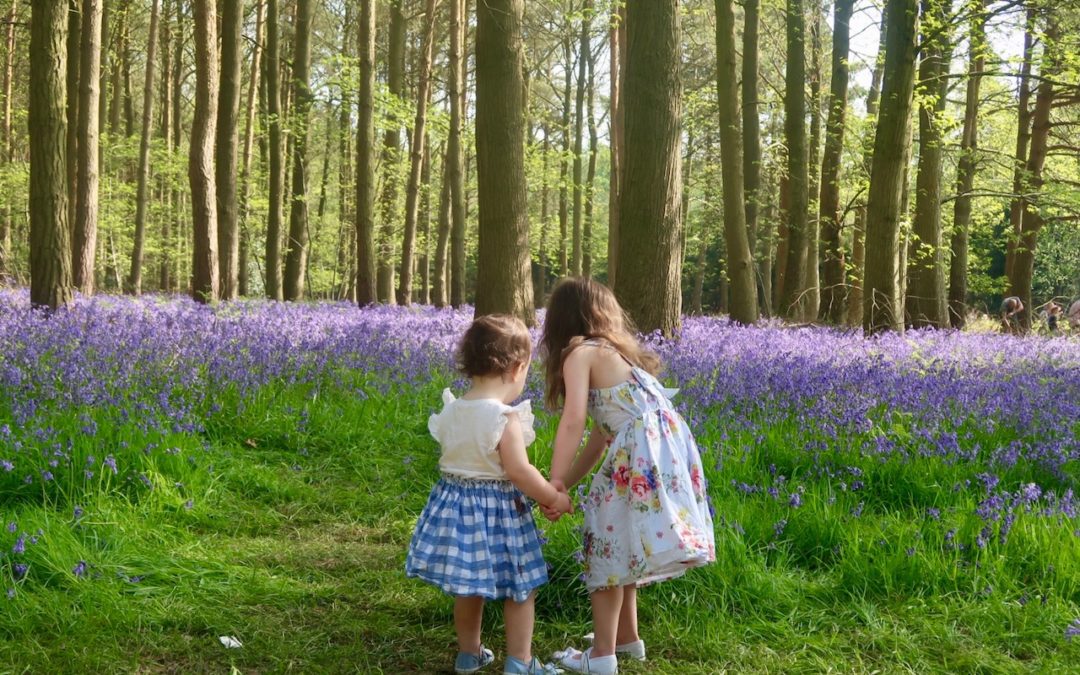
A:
<point x="296" y="540"/>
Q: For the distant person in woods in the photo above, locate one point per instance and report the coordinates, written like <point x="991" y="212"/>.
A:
<point x="1053" y="314"/>
<point x="476" y="538"/>
<point x="1074" y="316"/>
<point x="1010" y="311"/>
<point x="646" y="512"/>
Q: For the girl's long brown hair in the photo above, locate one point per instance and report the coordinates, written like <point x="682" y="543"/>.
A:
<point x="581" y="309"/>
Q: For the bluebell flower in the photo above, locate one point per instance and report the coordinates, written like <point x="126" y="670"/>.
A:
<point x="80" y="568"/>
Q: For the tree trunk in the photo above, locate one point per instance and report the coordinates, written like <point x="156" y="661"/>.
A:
<point x="616" y="131"/>
<point x="965" y="174"/>
<point x="564" y="161"/>
<point x="73" y="62"/>
<point x="84" y="244"/>
<point x="834" y="292"/>
<point x="792" y="300"/>
<point x="416" y="157"/>
<point x="6" y="142"/>
<point x="1023" y="137"/>
<point x="50" y="242"/>
<point x="751" y="140"/>
<point x="650" y="262"/>
<point x="228" y="122"/>
<point x="391" y="153"/>
<point x="297" y="252"/>
<point x="812" y="298"/>
<point x="346" y="190"/>
<point x="249" y="139"/>
<point x="275" y="215"/>
<point x="925" y="304"/>
<point x="365" y="160"/>
<point x="858" y="231"/>
<point x="456" y="159"/>
<point x="439" y="290"/>
<point x="1032" y="221"/>
<point x="881" y="302"/>
<point x="116" y="77"/>
<point x="141" y="197"/>
<point x="579" y="119"/>
<point x="503" y="280"/>
<point x="590" y="176"/>
<point x="424" y="264"/>
<point x="165" y="183"/>
<point x="201" y="158"/>
<point x="740" y="264"/>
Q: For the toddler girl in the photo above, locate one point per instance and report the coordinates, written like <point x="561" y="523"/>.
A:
<point x="476" y="538"/>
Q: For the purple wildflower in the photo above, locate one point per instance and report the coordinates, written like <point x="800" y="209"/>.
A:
<point x="20" y="544"/>
<point x="80" y="568"/>
<point x="110" y="462"/>
<point x="1072" y="630"/>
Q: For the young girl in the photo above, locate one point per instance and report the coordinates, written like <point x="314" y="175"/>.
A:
<point x="646" y="514"/>
<point x="476" y="538"/>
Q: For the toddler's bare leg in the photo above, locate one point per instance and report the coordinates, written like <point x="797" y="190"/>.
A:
<point x="519" y="617"/>
<point x="468" y="613"/>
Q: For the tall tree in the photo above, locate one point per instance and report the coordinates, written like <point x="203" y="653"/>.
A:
<point x="141" y="197"/>
<point x="166" y="135"/>
<point x="74" y="33"/>
<point x="584" y="48"/>
<point x="751" y="142"/>
<point x="858" y="230"/>
<point x="1023" y="263"/>
<point x="882" y="309"/>
<point x="205" y="281"/>
<point x="925" y="304"/>
<point x="811" y="300"/>
<point x="50" y="240"/>
<point x="365" y="161"/>
<point x="84" y="244"/>
<point x="274" y="289"/>
<point x="297" y="252"/>
<point x="249" y="138"/>
<point x="391" y="152"/>
<point x="616" y="115"/>
<point x="416" y="156"/>
<point x="225" y="147"/>
<point x="590" y="175"/>
<point x="965" y="169"/>
<point x="565" y="232"/>
<point x="740" y="264"/>
<point x="503" y="281"/>
<point x="439" y="287"/>
<point x="1023" y="138"/>
<point x="455" y="168"/>
<point x="792" y="298"/>
<point x="833" y="292"/>
<point x="6" y="141"/>
<point x="650" y="240"/>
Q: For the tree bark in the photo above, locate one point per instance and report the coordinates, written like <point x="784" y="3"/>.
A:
<point x="141" y="197"/>
<point x="743" y="306"/>
<point x="205" y="280"/>
<point x="225" y="147"/>
<point x="579" y="126"/>
<point x="439" y="290"/>
<point x="882" y="309"/>
<point x="416" y="157"/>
<point x="965" y="173"/>
<point x="391" y="154"/>
<point x="84" y="244"/>
<point x="275" y="216"/>
<point x="74" y="33"/>
<point x="834" y="292"/>
<point x="6" y="142"/>
<point x="1023" y="138"/>
<point x="296" y="254"/>
<point x="50" y="242"/>
<point x="590" y="176"/>
<point x="1023" y="265"/>
<point x="116" y="78"/>
<point x="792" y="301"/>
<point x="564" y="159"/>
<point x="751" y="142"/>
<point x="650" y="262"/>
<point x="455" y="150"/>
<point x="812" y="295"/>
<point x="616" y="115"/>
<point x="925" y="305"/>
<point x="365" y="160"/>
<point x="503" y="280"/>
<point x="858" y="231"/>
<point x="249" y="139"/>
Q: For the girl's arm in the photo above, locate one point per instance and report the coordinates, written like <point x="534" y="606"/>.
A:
<point x="523" y="474"/>
<point x="587" y="458"/>
<point x="575" y="371"/>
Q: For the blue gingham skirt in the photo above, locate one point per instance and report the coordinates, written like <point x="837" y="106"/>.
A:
<point x="477" y="538"/>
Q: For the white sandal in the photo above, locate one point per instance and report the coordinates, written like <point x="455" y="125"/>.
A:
<point x="634" y="650"/>
<point x="583" y="662"/>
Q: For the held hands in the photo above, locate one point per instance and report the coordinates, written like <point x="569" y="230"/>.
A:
<point x="561" y="505"/>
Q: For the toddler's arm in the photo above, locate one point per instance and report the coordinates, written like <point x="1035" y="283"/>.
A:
<point x="522" y="473"/>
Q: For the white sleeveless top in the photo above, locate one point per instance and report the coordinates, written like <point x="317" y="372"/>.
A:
<point x="469" y="431"/>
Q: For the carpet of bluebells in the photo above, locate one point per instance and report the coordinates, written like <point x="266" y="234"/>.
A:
<point x="906" y="465"/>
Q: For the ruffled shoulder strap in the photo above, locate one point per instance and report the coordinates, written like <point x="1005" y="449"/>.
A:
<point x="435" y="422"/>
<point x="525" y="418"/>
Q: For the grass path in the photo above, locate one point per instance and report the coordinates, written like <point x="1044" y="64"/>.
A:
<point x="298" y="551"/>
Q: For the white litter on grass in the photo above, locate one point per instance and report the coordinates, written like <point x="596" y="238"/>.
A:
<point x="230" y="642"/>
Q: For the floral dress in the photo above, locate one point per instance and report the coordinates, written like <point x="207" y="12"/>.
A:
<point x="647" y="515"/>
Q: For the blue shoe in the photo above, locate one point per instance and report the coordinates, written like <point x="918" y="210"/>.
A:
<point x="470" y="663"/>
<point x="515" y="666"/>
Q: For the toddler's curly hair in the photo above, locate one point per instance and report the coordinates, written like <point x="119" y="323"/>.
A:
<point x="493" y="345"/>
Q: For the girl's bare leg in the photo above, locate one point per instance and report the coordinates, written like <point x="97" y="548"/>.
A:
<point x="606" y="608"/>
<point x="468" y="613"/>
<point x="628" y="626"/>
<point x="519" y="617"/>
